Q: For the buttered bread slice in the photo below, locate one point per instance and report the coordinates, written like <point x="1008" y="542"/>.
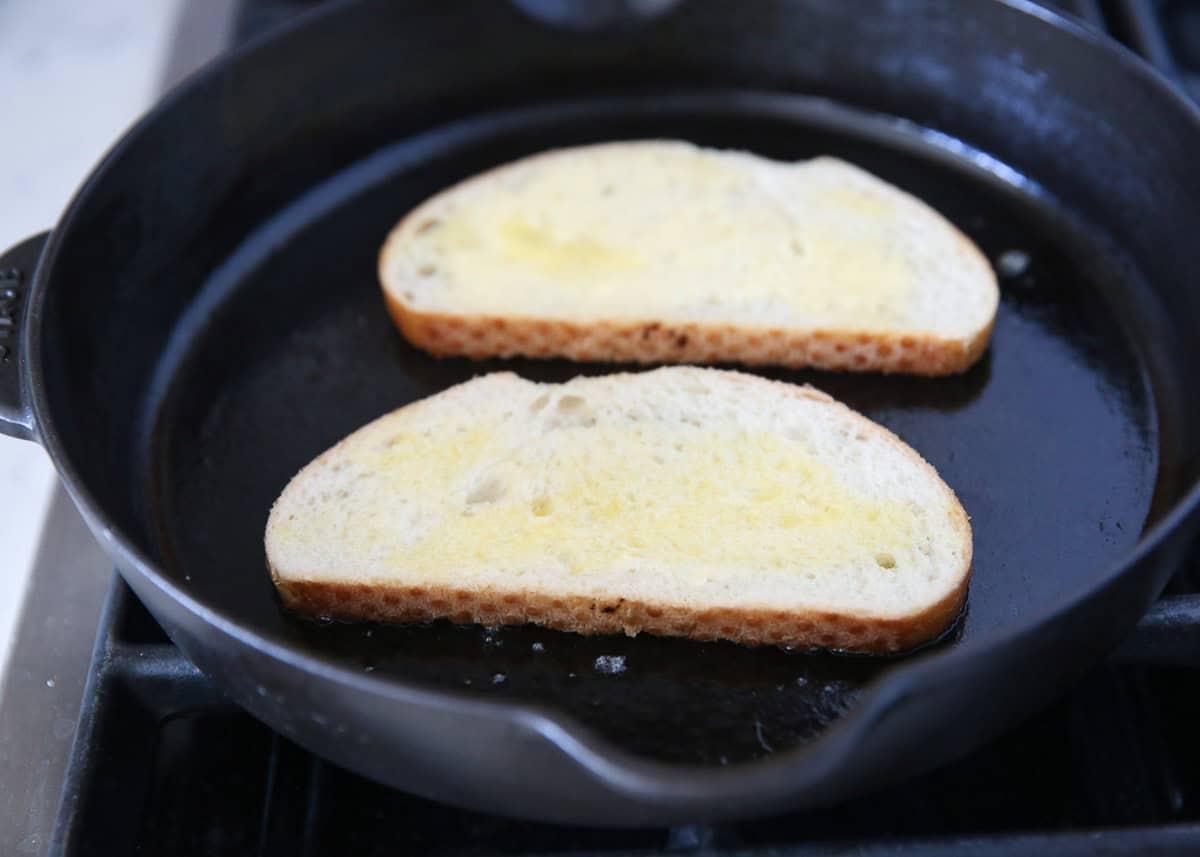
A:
<point x="667" y="252"/>
<point x="682" y="501"/>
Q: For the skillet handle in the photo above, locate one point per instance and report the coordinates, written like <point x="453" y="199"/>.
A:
<point x="16" y="274"/>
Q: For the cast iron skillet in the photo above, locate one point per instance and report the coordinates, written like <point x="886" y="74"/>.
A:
<point x="206" y="319"/>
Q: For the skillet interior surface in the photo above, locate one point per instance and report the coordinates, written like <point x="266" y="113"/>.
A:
<point x="1051" y="441"/>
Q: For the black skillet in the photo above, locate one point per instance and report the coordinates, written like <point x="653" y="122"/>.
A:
<point x="206" y="318"/>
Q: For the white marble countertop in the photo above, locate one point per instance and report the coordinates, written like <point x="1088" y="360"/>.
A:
<point x="73" y="75"/>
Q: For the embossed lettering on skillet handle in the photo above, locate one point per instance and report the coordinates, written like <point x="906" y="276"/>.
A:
<point x="16" y="276"/>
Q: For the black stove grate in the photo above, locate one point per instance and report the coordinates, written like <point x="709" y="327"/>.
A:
<point x="1165" y="32"/>
<point x="164" y="764"/>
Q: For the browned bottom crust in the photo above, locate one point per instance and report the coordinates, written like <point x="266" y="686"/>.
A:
<point x="810" y="629"/>
<point x="481" y="337"/>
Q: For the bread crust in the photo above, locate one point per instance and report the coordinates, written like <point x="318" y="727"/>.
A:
<point x="480" y="337"/>
<point x="866" y="633"/>
<point x="390" y="602"/>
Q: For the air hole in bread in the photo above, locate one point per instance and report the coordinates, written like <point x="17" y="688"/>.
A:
<point x="541" y="507"/>
<point x="571" y="411"/>
<point x="428" y="226"/>
<point x="489" y="490"/>
<point x="427" y="270"/>
<point x="796" y="247"/>
<point x="539" y="403"/>
<point x="885" y="560"/>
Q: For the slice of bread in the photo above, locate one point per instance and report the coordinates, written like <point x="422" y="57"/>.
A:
<point x="682" y="501"/>
<point x="666" y="252"/>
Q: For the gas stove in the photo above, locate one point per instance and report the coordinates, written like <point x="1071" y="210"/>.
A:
<point x="163" y="763"/>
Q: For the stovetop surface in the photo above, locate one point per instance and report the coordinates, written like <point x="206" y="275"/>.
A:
<point x="165" y="764"/>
